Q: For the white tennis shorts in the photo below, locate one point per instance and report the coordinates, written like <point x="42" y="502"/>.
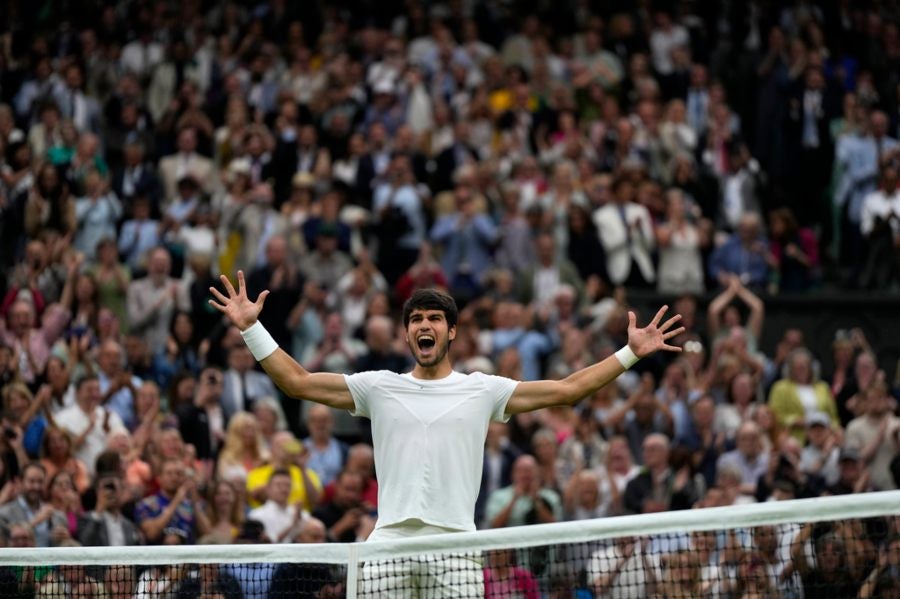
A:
<point x="455" y="575"/>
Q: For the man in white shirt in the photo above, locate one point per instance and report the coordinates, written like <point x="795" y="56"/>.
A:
<point x="277" y="515"/>
<point x="429" y="425"/>
<point x="883" y="203"/>
<point x="89" y="422"/>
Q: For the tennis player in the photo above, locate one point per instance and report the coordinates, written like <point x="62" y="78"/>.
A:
<point x="429" y="425"/>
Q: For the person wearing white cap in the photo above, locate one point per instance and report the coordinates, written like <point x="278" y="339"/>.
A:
<point x="820" y="456"/>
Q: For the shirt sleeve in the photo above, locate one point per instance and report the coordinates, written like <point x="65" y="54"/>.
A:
<point x="360" y="385"/>
<point x="500" y="389"/>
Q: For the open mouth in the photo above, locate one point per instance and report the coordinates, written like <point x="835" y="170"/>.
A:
<point x="426" y="343"/>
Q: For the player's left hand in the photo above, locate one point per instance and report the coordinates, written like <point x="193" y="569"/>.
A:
<point x="653" y="337"/>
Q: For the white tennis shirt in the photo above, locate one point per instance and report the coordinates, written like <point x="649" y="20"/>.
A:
<point x="428" y="438"/>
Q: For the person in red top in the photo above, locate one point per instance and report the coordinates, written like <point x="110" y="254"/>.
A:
<point x="360" y="459"/>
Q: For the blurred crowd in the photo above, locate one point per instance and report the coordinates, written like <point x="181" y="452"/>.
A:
<point x="537" y="161"/>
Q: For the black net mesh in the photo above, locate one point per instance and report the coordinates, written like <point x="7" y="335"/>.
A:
<point x="206" y="581"/>
<point x="851" y="558"/>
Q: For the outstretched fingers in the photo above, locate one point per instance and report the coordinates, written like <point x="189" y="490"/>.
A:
<point x="673" y="333"/>
<point x="228" y="286"/>
<point x="218" y="295"/>
<point x="242" y="286"/>
<point x="217" y="306"/>
<point x="659" y="315"/>
<point x="262" y="298"/>
<point x="668" y="324"/>
<point x="632" y="320"/>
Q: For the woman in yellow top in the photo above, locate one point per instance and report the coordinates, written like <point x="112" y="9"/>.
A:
<point x="801" y="393"/>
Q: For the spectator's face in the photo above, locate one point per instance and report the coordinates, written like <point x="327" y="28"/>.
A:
<point x="57" y="375"/>
<point x="348" y="490"/>
<point x="879" y="124"/>
<point x="361" y="462"/>
<point x="89" y="393"/>
<point x="17" y="403"/>
<point x="33" y="485"/>
<point x="240" y="359"/>
<point x="817" y="434"/>
<point x="379" y="335"/>
<point x="224" y="497"/>
<point x="889" y="180"/>
<point x="829" y="557"/>
<point x="183" y="328"/>
<point x="20" y="318"/>
<point x="850" y="471"/>
<point x="307" y="136"/>
<point x="187" y="141"/>
<point x="279" y="489"/>
<point x="645" y="409"/>
<point x="766" y="539"/>
<point x="159" y="264"/>
<point x="546" y="248"/>
<point x="749" y="442"/>
<point x="313" y="532"/>
<point x="319" y="423"/>
<point x="525" y="472"/>
<point x="171" y="477"/>
<point x="57" y="443"/>
<point x="73" y="78"/>
<point x="36" y="254"/>
<point x="656" y="454"/>
<point x="110" y="358"/>
<point x="704" y="412"/>
<point x="545" y="449"/>
<point x="801" y="369"/>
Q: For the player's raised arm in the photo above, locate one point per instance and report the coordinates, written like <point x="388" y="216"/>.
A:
<point x="325" y="388"/>
<point x="534" y="395"/>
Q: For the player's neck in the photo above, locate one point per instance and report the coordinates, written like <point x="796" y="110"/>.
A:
<point x="441" y="370"/>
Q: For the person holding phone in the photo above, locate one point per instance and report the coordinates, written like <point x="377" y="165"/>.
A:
<point x="105" y="525"/>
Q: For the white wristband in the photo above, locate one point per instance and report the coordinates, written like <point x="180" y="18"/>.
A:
<point x="259" y="341"/>
<point x="626" y="357"/>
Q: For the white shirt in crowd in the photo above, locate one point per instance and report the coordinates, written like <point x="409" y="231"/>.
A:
<point x="76" y="421"/>
<point x="275" y="518"/>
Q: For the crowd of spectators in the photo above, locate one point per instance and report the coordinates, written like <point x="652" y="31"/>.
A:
<point x="536" y="160"/>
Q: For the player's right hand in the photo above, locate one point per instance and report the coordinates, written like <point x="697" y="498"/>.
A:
<point x="237" y="306"/>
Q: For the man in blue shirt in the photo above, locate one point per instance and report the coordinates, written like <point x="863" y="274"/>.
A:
<point x="172" y="508"/>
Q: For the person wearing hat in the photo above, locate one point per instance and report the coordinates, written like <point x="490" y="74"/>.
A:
<point x="385" y="107"/>
<point x="820" y="456"/>
<point x="853" y="476"/>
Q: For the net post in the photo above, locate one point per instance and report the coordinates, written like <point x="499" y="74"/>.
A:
<point x="352" y="571"/>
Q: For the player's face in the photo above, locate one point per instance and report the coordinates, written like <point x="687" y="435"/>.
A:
<point x="429" y="336"/>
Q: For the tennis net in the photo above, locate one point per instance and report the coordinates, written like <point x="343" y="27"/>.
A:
<point x="846" y="546"/>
